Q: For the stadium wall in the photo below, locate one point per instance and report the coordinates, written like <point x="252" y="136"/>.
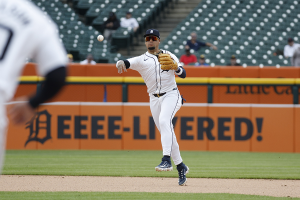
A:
<point x="78" y="119"/>
<point x="129" y="126"/>
<point x="192" y="93"/>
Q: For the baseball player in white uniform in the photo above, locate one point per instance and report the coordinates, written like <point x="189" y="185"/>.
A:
<point x="165" y="99"/>
<point x="26" y="32"/>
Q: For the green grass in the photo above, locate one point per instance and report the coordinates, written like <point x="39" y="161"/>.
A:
<point x="128" y="195"/>
<point x="142" y="163"/>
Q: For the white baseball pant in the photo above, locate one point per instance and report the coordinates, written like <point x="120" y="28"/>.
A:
<point x="3" y="122"/>
<point x="163" y="110"/>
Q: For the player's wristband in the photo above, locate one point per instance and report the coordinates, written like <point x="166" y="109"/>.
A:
<point x="182" y="73"/>
<point x="179" y="71"/>
<point x="127" y="63"/>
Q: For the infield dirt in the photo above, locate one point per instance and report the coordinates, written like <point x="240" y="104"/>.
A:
<point x="276" y="188"/>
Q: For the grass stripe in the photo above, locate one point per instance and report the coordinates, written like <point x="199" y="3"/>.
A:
<point x="142" y="163"/>
<point x="129" y="195"/>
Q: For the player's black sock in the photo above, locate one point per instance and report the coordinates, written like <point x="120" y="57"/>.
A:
<point x="167" y="158"/>
<point x="180" y="166"/>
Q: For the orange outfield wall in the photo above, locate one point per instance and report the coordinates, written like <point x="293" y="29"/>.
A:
<point x="129" y="126"/>
<point x="193" y="94"/>
<point x="217" y="71"/>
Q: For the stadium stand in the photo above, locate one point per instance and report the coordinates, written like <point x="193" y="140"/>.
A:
<point x="80" y="21"/>
<point x="251" y="30"/>
<point x="145" y="13"/>
<point x="78" y="39"/>
<point x="95" y="13"/>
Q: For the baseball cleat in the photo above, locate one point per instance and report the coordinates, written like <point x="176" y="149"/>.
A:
<point x="164" y="166"/>
<point x="181" y="173"/>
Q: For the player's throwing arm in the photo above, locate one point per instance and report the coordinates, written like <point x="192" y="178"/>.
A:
<point x="121" y="66"/>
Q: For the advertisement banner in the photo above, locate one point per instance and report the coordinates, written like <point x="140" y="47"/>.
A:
<point x="297" y="130"/>
<point x="274" y="128"/>
<point x="130" y="126"/>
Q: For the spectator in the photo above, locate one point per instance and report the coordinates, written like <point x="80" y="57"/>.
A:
<point x="188" y="58"/>
<point x="233" y="61"/>
<point x="129" y="21"/>
<point x="289" y="49"/>
<point x="70" y="58"/>
<point x="89" y="60"/>
<point x="111" y="25"/>
<point x="196" y="45"/>
<point x="201" y="62"/>
<point x="296" y="57"/>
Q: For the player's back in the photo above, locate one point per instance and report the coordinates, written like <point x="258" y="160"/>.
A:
<point x="24" y="29"/>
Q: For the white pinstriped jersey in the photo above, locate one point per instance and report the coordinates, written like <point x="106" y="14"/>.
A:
<point x="157" y="80"/>
<point x="26" y="32"/>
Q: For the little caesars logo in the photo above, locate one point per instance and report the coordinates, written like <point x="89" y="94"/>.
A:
<point x="39" y="128"/>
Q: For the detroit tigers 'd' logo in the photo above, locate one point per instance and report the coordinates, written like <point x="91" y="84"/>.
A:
<point x="39" y="128"/>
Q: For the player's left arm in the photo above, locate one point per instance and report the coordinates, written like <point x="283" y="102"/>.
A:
<point x="180" y="70"/>
<point x="51" y="63"/>
<point x="54" y="81"/>
<point x="51" y="59"/>
<point x="25" y="110"/>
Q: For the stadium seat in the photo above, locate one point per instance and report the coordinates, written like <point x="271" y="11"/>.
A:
<point x="79" y="39"/>
<point x="252" y="30"/>
<point x="85" y="18"/>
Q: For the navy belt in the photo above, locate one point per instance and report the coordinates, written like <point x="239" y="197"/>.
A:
<point x="162" y="94"/>
<point x="159" y="95"/>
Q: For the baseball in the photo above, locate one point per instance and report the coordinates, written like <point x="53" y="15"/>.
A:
<point x="100" y="38"/>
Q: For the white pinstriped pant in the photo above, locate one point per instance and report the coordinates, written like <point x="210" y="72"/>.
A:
<point x="3" y="122"/>
<point x="163" y="110"/>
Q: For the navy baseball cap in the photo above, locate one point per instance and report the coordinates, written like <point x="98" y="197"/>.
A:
<point x="152" y="32"/>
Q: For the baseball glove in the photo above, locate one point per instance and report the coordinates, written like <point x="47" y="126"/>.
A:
<point x="166" y="62"/>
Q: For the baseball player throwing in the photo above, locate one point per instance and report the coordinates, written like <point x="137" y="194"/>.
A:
<point x="157" y="67"/>
<point x="25" y="32"/>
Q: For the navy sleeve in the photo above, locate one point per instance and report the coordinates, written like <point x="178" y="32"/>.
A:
<point x="183" y="74"/>
<point x="54" y="81"/>
<point x="188" y="42"/>
<point x="202" y="43"/>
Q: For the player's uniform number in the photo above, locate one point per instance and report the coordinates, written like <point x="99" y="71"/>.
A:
<point x="6" y="35"/>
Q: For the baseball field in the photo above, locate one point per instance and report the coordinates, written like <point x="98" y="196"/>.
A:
<point x="84" y="174"/>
